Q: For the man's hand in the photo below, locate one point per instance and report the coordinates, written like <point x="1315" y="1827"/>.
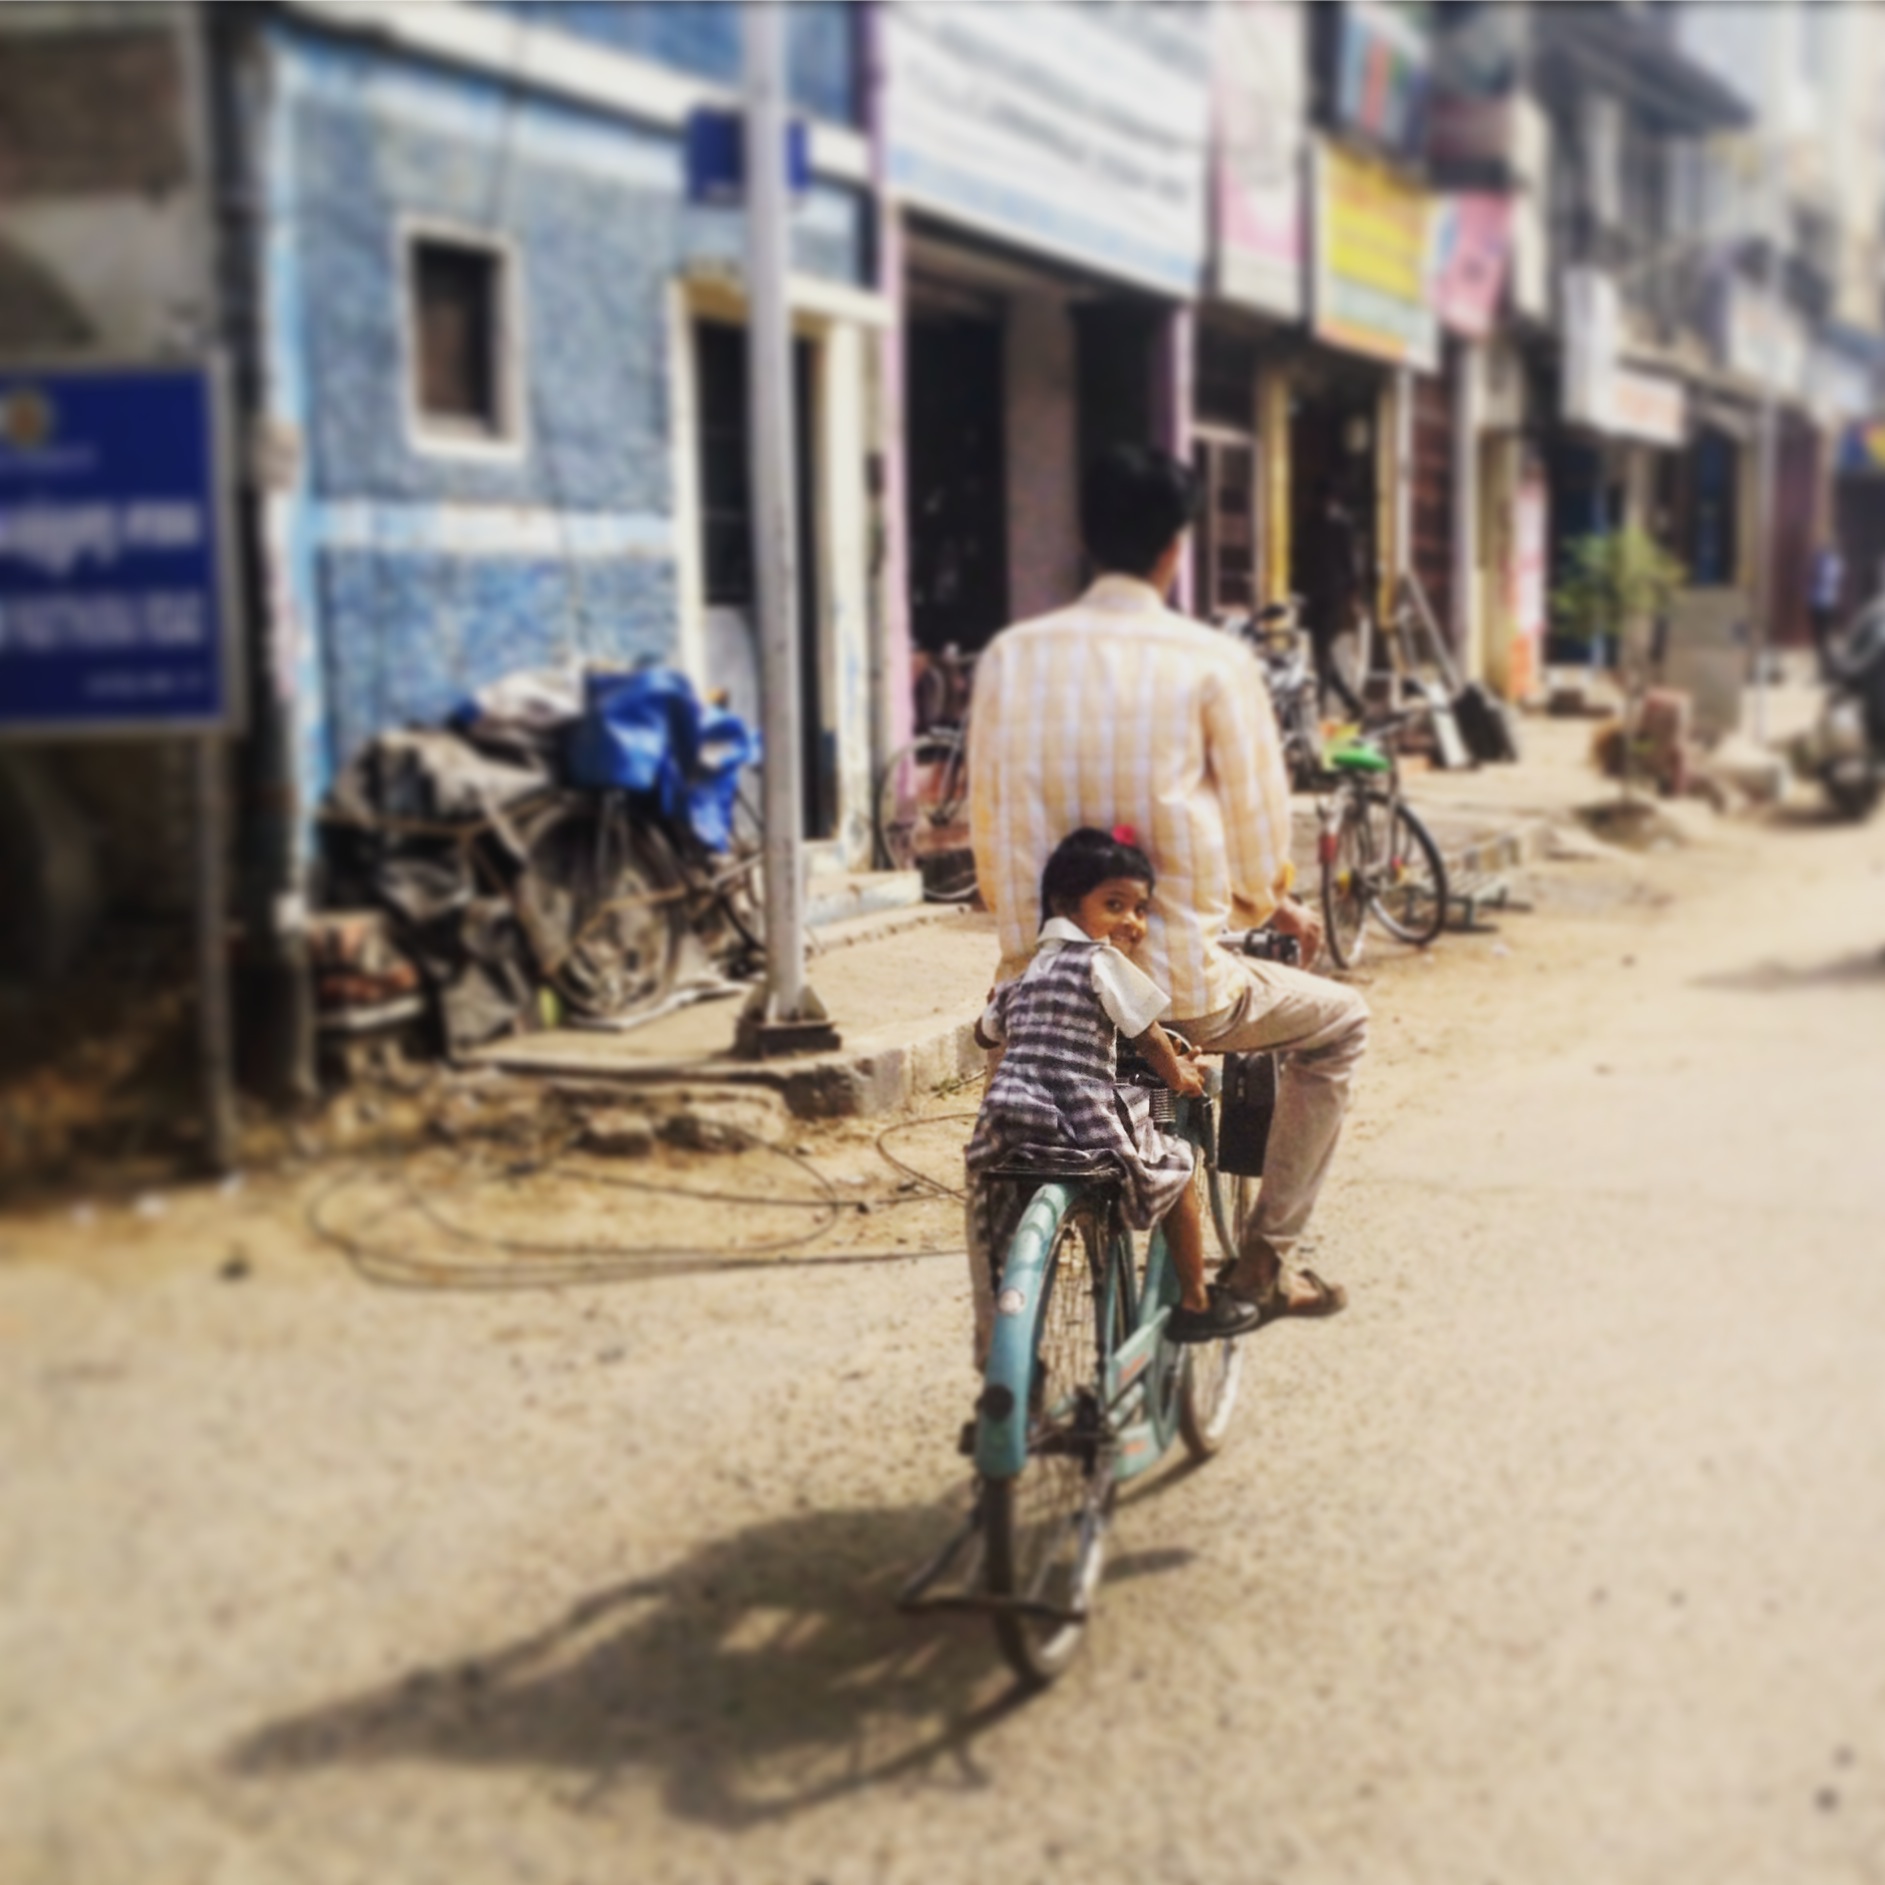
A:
<point x="1186" y="1077"/>
<point x="1298" y="920"/>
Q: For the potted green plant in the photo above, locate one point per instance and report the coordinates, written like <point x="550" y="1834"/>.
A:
<point x="1617" y="583"/>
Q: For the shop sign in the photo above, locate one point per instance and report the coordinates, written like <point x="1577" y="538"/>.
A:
<point x="1647" y="406"/>
<point x="115" y="611"/>
<point x="1373" y="261"/>
<point x="1256" y="183"/>
<point x="1382" y="72"/>
<point x="1599" y="391"/>
<point x="1473" y="240"/>
<point x="1069" y="129"/>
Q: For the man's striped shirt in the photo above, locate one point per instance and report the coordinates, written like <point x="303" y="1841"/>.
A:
<point x="1119" y="711"/>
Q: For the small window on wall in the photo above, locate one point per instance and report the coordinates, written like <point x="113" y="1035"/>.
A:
<point x="461" y="340"/>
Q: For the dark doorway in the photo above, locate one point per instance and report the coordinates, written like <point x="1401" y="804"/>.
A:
<point x="956" y="467"/>
<point x="1113" y="354"/>
<point x="1333" y="546"/>
<point x="726" y="514"/>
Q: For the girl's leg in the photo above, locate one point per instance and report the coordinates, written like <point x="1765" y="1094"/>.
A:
<point x="1184" y="1238"/>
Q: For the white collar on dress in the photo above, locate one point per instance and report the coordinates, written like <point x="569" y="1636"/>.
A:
<point x="1061" y="929"/>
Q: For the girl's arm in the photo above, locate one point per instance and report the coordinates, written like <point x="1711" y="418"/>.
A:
<point x="1178" y="1073"/>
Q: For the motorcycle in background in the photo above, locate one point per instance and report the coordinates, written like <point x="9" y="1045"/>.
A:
<point x="1845" y="752"/>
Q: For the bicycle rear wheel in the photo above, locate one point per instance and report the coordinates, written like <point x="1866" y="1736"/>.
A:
<point x="1207" y="1390"/>
<point x="922" y="814"/>
<point x="1044" y="1529"/>
<point x="1409" y="881"/>
<point x="1346" y="891"/>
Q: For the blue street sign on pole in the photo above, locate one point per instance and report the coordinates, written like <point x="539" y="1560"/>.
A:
<point x="116" y="610"/>
<point x="715" y="155"/>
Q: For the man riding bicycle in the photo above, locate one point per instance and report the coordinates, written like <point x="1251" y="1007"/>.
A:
<point x="1119" y="711"/>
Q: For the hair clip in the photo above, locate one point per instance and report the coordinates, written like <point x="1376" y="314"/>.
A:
<point x="1124" y="834"/>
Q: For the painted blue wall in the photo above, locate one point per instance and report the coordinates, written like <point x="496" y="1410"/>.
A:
<point x="703" y="37"/>
<point x="407" y="618"/>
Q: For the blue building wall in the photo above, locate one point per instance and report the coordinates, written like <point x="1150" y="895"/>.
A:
<point x="411" y="600"/>
<point x="703" y="37"/>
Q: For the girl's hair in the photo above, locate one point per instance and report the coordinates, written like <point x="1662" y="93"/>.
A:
<point x="1085" y="859"/>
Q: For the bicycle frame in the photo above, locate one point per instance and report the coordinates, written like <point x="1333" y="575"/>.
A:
<point x="1140" y="1372"/>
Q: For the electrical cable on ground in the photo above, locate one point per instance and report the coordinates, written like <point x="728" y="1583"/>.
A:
<point x="556" y="1263"/>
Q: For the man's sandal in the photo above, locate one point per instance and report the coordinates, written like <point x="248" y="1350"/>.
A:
<point x="1330" y="1299"/>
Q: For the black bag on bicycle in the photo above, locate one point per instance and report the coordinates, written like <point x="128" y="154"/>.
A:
<point x="1245" y="1109"/>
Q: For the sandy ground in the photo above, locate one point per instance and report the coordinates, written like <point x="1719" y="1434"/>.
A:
<point x="1554" y="1559"/>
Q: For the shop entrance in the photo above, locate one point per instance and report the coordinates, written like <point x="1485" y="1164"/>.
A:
<point x="957" y="475"/>
<point x="1334" y="540"/>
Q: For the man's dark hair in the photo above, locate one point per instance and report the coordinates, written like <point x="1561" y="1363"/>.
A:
<point x="1085" y="859"/>
<point x="1133" y="501"/>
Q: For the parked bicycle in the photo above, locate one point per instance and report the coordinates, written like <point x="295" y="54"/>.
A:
<point x="1378" y="859"/>
<point x="922" y="805"/>
<point x="1277" y="637"/>
<point x="1082" y="1391"/>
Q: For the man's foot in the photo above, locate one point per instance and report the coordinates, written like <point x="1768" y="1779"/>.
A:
<point x="1225" y="1317"/>
<point x="1282" y="1293"/>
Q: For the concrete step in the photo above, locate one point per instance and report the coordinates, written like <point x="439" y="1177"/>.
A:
<point x="842" y="896"/>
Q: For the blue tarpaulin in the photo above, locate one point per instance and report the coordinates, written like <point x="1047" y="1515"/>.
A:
<point x="649" y="732"/>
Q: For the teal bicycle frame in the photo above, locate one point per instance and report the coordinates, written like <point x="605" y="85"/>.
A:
<point x="1142" y="1373"/>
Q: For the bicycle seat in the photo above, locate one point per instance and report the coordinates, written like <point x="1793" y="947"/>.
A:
<point x="1085" y="1166"/>
<point x="1359" y="757"/>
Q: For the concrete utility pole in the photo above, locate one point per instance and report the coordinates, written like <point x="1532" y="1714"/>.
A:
<point x="784" y="1016"/>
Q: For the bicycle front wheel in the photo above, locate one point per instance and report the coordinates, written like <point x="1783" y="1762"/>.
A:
<point x="1409" y="877"/>
<point x="1044" y="1529"/>
<point x="1347" y="865"/>
<point x="922" y="815"/>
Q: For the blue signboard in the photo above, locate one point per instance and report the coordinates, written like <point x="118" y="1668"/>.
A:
<point x="114" y="604"/>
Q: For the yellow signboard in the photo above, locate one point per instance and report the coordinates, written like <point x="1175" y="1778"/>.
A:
<point x="1373" y="260"/>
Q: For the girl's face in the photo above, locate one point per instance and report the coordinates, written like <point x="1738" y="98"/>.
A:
<point x="1114" y="912"/>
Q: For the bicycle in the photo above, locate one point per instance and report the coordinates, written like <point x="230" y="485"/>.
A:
<point x="610" y="890"/>
<point x="1276" y="635"/>
<point x="1081" y="1391"/>
<point x="1377" y="857"/>
<point x="921" y="810"/>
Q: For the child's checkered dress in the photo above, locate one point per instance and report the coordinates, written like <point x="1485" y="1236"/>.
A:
<point x="1056" y="1089"/>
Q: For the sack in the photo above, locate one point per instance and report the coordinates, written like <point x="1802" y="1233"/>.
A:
<point x="1247" y="1107"/>
<point x="1485" y="724"/>
<point x="648" y="732"/>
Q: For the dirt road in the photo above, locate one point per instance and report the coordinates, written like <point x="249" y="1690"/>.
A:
<point x="1556" y="1558"/>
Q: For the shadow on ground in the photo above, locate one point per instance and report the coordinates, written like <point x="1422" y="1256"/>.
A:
<point x="1779" y="978"/>
<point x="764" y="1675"/>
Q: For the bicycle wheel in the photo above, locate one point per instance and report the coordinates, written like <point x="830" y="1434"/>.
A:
<point x="1346" y="890"/>
<point x="1044" y="1528"/>
<point x="922" y="814"/>
<point x="1207" y="1390"/>
<point x="1409" y="879"/>
<point x="601" y="906"/>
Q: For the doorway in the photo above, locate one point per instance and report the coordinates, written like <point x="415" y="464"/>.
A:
<point x="956" y="468"/>
<point x="1334" y="541"/>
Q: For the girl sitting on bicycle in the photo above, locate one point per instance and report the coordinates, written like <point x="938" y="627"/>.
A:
<point x="1056" y="1090"/>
